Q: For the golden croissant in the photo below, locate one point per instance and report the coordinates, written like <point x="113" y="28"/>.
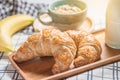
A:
<point x="69" y="48"/>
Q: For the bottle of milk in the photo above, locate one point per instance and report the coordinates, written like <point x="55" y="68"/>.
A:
<point x="112" y="32"/>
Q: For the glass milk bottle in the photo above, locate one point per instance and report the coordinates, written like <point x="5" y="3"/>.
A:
<point x="112" y="32"/>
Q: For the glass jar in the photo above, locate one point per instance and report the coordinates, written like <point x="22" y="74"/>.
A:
<point x="112" y="32"/>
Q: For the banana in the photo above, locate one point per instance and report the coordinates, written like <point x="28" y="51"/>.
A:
<point x="9" y="26"/>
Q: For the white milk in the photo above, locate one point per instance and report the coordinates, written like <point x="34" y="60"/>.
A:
<point x="112" y="33"/>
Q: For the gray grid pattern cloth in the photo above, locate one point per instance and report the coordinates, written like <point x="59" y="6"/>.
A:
<point x="8" y="72"/>
<point x="10" y="7"/>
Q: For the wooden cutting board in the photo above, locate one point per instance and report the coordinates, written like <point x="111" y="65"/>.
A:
<point x="40" y="68"/>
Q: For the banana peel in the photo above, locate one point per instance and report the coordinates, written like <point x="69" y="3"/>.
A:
<point x="9" y="26"/>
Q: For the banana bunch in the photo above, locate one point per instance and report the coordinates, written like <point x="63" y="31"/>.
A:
<point x="9" y="26"/>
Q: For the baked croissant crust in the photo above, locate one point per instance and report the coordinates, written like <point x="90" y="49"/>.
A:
<point x="67" y="48"/>
<point x="88" y="48"/>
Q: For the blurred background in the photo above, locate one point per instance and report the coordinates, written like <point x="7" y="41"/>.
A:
<point x="96" y="8"/>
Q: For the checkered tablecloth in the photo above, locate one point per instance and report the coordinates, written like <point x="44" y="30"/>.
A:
<point x="8" y="72"/>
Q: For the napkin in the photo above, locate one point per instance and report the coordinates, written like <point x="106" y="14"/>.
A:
<point x="11" y="7"/>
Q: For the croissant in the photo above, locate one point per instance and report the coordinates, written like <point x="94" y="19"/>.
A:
<point x="88" y="48"/>
<point x="69" y="48"/>
<point x="49" y="42"/>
